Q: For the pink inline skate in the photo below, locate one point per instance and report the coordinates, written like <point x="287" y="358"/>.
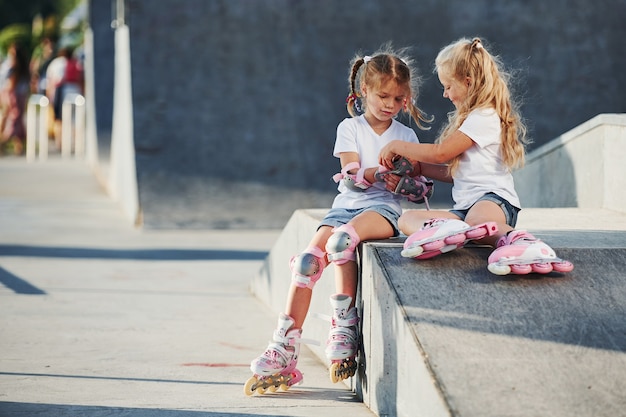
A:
<point x="519" y="252"/>
<point x="276" y="367"/>
<point x="343" y="340"/>
<point x="439" y="236"/>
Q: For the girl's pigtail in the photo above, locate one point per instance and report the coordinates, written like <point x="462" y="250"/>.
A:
<point x="418" y="115"/>
<point x="352" y="101"/>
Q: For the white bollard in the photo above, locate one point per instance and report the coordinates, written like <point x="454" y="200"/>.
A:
<point x="37" y="127"/>
<point x="73" y="125"/>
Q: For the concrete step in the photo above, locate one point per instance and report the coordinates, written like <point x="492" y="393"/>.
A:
<point x="445" y="337"/>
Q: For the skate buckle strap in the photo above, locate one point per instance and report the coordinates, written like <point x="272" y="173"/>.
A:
<point x="337" y="322"/>
<point x="342" y="333"/>
<point x="277" y="353"/>
<point x="292" y="340"/>
<point x="345" y="322"/>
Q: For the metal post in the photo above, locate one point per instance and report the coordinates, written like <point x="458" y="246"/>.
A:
<point x="43" y="129"/>
<point x="73" y="125"/>
<point x="79" y="126"/>
<point x="37" y="127"/>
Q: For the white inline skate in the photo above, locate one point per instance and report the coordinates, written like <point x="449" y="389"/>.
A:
<point x="343" y="338"/>
<point x="276" y="367"/>
<point x="439" y="236"/>
<point x="519" y="252"/>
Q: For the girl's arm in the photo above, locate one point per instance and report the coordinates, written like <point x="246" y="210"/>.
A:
<point x="438" y="172"/>
<point x="439" y="153"/>
<point x="347" y="157"/>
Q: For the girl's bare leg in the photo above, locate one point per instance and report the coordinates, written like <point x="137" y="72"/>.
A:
<point x="299" y="299"/>
<point x="488" y="211"/>
<point x="413" y="220"/>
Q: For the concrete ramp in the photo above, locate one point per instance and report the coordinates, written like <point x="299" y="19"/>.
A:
<point x="483" y="345"/>
<point x="444" y="337"/>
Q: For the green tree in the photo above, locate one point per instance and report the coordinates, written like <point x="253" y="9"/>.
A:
<point x="17" y="18"/>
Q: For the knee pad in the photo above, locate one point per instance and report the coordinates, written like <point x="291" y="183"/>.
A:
<point x="355" y="182"/>
<point x="307" y="268"/>
<point x="342" y="244"/>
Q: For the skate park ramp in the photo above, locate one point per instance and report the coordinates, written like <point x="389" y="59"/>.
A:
<point x="444" y="337"/>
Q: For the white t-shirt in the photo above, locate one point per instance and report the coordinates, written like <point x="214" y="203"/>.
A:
<point x="56" y="71"/>
<point x="481" y="169"/>
<point x="356" y="135"/>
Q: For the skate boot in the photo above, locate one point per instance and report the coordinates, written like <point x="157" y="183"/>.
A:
<point x="519" y="252"/>
<point x="444" y="235"/>
<point x="276" y="367"/>
<point x="342" y="344"/>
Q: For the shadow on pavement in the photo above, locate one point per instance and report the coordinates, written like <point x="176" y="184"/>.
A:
<point x="17" y="284"/>
<point x="136" y="254"/>
<point x="66" y="410"/>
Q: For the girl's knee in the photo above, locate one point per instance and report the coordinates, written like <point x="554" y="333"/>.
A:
<point x="485" y="211"/>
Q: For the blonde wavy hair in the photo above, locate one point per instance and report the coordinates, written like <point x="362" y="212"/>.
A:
<point x="489" y="88"/>
<point x="385" y="65"/>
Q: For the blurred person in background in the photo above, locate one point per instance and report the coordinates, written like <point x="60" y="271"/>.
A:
<point x="14" y="94"/>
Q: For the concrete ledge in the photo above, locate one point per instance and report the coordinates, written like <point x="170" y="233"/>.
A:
<point x="445" y="337"/>
<point x="585" y="166"/>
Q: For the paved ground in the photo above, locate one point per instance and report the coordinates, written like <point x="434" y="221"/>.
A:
<point x="101" y="319"/>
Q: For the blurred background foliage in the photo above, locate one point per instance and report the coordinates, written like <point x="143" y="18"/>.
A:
<point x="28" y="21"/>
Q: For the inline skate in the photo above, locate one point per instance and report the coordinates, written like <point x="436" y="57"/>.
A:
<point x="276" y="367"/>
<point x="343" y="340"/>
<point x="439" y="236"/>
<point x="521" y="253"/>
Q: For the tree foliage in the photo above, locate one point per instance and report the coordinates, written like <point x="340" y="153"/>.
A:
<point x="17" y="19"/>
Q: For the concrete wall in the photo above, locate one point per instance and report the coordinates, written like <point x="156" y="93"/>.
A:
<point x="235" y="103"/>
<point x="581" y="168"/>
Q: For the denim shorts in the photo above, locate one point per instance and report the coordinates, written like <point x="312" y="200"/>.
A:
<point x="510" y="211"/>
<point x="340" y="216"/>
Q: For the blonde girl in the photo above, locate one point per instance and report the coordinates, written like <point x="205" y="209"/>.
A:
<point x="381" y="86"/>
<point x="477" y="150"/>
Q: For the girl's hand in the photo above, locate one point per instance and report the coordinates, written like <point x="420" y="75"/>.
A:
<point x="391" y="182"/>
<point x="387" y="155"/>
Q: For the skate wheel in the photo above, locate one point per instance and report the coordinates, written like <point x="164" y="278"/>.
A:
<point x="563" y="266"/>
<point x="521" y="269"/>
<point x="412" y="252"/>
<point x="271" y="385"/>
<point x="455" y="239"/>
<point x="433" y="246"/>
<point x="498" y="269"/>
<point x="542" y="268"/>
<point x="260" y="390"/>
<point x="333" y="371"/>
<point x="247" y="388"/>
<point x="284" y="387"/>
